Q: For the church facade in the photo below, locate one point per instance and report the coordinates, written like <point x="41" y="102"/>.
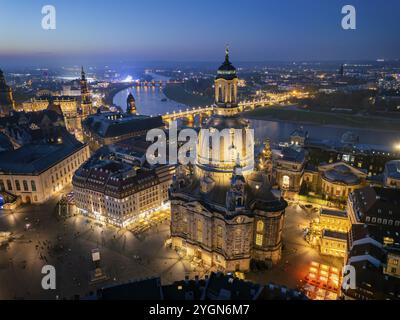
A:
<point x="223" y="212"/>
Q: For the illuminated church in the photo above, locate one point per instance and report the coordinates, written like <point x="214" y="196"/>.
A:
<point x="223" y="212"/>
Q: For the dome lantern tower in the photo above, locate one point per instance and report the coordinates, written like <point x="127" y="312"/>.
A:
<point x="226" y="87"/>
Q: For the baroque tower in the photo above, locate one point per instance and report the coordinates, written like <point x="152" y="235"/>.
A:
<point x="7" y="103"/>
<point x="86" y="101"/>
<point x="223" y="212"/>
<point x="130" y="104"/>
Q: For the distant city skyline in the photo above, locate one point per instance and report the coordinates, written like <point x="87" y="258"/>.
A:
<point x="121" y="30"/>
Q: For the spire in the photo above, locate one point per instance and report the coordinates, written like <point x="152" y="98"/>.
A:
<point x="227" y="53"/>
<point x="82" y="73"/>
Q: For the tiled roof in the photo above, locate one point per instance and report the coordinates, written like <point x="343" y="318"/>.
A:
<point x="36" y="158"/>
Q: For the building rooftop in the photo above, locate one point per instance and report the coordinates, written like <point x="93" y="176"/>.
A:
<point x="260" y="197"/>
<point x="392" y="169"/>
<point x="148" y="289"/>
<point x="377" y="202"/>
<point x="113" y="124"/>
<point x="114" y="177"/>
<point x="225" y="287"/>
<point x="38" y="157"/>
<point x="5" y="143"/>
<point x="217" y="286"/>
<point x="342" y="236"/>
<point x="342" y="173"/>
<point x="335" y="213"/>
<point x="292" y="154"/>
<point x="371" y="282"/>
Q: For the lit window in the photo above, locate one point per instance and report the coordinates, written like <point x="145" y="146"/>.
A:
<point x="285" y="182"/>
<point x="260" y="226"/>
<point x="259" y="239"/>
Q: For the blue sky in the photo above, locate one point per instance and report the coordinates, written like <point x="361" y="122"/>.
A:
<point x="187" y="30"/>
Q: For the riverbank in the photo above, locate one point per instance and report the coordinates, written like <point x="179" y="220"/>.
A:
<point x="177" y="92"/>
<point x="324" y="119"/>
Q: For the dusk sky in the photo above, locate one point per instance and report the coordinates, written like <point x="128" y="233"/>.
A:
<point x="178" y="30"/>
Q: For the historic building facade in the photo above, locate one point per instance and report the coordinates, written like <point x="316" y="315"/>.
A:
<point x="223" y="212"/>
<point x="120" y="192"/>
<point x="289" y="168"/>
<point x="35" y="172"/>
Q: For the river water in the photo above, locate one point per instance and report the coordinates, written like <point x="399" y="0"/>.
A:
<point x="149" y="102"/>
<point x="148" y="99"/>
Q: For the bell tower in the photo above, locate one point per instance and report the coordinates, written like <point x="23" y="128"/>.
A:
<point x="86" y="101"/>
<point x="226" y="84"/>
<point x="130" y="104"/>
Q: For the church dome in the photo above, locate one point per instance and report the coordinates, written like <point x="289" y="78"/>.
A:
<point x="226" y="71"/>
<point x="220" y="122"/>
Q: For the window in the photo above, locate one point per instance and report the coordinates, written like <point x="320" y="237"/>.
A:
<point x="237" y="245"/>
<point x="285" y="182"/>
<point x="219" y="237"/>
<point x="2" y="187"/>
<point x="17" y="185"/>
<point x="199" y="230"/>
<point x="260" y="226"/>
<point x="259" y="239"/>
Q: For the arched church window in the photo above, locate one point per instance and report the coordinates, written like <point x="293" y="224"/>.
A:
<point x="260" y="226"/>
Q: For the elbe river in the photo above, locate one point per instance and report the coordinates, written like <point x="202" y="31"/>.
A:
<point x="149" y="102"/>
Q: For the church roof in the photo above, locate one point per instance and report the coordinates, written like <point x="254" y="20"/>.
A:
<point x="260" y="198"/>
<point x="226" y="71"/>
